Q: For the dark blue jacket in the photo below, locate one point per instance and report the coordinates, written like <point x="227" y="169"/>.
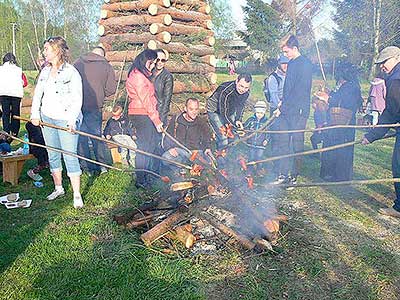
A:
<point x="120" y="126"/>
<point x="254" y="124"/>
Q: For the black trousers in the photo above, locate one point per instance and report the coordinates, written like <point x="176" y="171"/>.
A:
<point x="288" y="143"/>
<point x="147" y="140"/>
<point x="11" y="106"/>
<point x="35" y="136"/>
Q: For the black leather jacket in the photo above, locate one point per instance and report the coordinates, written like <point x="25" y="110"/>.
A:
<point x="163" y="85"/>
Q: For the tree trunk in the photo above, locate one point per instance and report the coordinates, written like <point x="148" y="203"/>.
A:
<point x="199" y="50"/>
<point x="137" y="20"/>
<point x="377" y="7"/>
<point x="177" y="14"/>
<point x="164" y="37"/>
<point x="180" y="29"/>
<point x="134" y="5"/>
<point x="190" y="87"/>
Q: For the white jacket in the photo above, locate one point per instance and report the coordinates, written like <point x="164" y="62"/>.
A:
<point x="58" y="98"/>
<point x="11" y="83"/>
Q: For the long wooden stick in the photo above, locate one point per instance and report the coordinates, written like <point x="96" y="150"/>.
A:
<point x="328" y="128"/>
<point x="336" y="183"/>
<point x="109" y="142"/>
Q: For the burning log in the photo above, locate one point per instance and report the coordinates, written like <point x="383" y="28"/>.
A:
<point x="184" y="235"/>
<point x="134" y="5"/>
<point x="137" y="20"/>
<point x="154" y="233"/>
<point x="244" y="241"/>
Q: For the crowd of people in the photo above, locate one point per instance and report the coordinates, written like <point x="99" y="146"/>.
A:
<point x="72" y="96"/>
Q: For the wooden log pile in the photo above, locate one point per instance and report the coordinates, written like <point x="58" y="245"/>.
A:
<point x="183" y="28"/>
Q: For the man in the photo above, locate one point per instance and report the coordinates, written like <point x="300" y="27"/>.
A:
<point x="98" y="80"/>
<point x="190" y="130"/>
<point x="389" y="61"/>
<point x="226" y="105"/>
<point x="163" y="85"/>
<point x="293" y="111"/>
<point x="273" y="84"/>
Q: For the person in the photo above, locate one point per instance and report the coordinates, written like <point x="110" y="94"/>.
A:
<point x="119" y="130"/>
<point x="273" y="84"/>
<point x="344" y="102"/>
<point x="190" y="130"/>
<point x="142" y="112"/>
<point x="226" y="105"/>
<point x="35" y="135"/>
<point x="259" y="141"/>
<point x="57" y="100"/>
<point x="12" y="82"/>
<point x="293" y="111"/>
<point x="389" y="61"/>
<point x="163" y="85"/>
<point x="231" y="66"/>
<point x="320" y="120"/>
<point x="98" y="80"/>
<point x="377" y="94"/>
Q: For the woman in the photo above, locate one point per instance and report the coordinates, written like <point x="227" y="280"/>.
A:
<point x="57" y="100"/>
<point x="142" y="111"/>
<point x="12" y="82"/>
<point x="344" y="102"/>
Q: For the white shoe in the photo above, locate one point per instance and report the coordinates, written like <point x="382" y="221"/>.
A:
<point x="55" y="194"/>
<point x="103" y="170"/>
<point x="280" y="180"/>
<point x="78" y="203"/>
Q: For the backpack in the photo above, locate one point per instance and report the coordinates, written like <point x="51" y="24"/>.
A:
<point x="266" y="88"/>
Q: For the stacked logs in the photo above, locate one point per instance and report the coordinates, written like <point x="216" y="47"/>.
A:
<point x="181" y="27"/>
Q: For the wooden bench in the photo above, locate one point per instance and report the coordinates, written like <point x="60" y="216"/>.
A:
<point x="12" y="167"/>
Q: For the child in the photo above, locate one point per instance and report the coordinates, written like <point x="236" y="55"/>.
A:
<point x="118" y="129"/>
<point x="259" y="141"/>
<point x="35" y="136"/>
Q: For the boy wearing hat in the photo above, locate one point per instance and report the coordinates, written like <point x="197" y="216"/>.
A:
<point x="389" y="61"/>
<point x="259" y="141"/>
<point x="118" y="129"/>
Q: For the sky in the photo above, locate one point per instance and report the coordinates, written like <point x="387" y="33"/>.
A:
<point x="322" y="23"/>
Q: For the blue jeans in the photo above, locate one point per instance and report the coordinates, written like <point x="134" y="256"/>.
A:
<point x="61" y="140"/>
<point x="396" y="170"/>
<point x="91" y="123"/>
<point x="183" y="157"/>
<point x="216" y="124"/>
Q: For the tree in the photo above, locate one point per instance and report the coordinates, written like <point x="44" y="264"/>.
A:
<point x="264" y="28"/>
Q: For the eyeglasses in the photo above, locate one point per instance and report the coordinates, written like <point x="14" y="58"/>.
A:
<point x="163" y="60"/>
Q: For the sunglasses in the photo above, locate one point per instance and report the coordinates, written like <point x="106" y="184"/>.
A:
<point x="161" y="60"/>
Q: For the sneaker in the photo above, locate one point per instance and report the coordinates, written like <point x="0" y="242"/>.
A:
<point x="390" y="212"/>
<point x="78" y="203"/>
<point x="34" y="176"/>
<point x="280" y="180"/>
<point x="55" y="194"/>
<point x="292" y="181"/>
<point x="103" y="170"/>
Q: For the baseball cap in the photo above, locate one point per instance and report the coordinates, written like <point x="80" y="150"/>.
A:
<point x="388" y="52"/>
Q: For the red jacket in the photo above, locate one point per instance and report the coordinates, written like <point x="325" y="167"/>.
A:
<point x="142" y="100"/>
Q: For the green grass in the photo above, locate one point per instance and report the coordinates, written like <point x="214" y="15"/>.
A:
<point x="335" y="246"/>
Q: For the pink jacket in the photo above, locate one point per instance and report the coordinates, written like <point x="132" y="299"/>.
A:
<point x="142" y="100"/>
<point x="377" y="94"/>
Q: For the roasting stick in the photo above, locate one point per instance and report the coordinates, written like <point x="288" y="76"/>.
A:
<point x="339" y="146"/>
<point x="109" y="142"/>
<point x="336" y="183"/>
<point x="328" y="128"/>
<point x="163" y="178"/>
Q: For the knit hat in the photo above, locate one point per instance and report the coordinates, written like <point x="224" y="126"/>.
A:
<point x="387" y="53"/>
<point x="283" y="60"/>
<point x="260" y="106"/>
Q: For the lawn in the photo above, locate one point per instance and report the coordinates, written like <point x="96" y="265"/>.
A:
<point x="335" y="246"/>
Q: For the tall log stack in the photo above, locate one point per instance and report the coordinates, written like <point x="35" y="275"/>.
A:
<point x="183" y="28"/>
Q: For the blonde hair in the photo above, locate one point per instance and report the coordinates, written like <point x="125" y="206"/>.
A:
<point x="59" y="43"/>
